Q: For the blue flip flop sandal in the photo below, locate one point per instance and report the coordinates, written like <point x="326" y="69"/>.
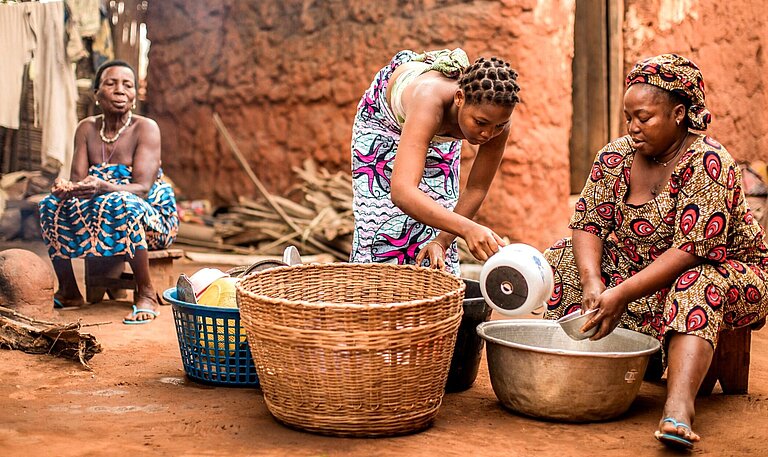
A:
<point x="672" y="440"/>
<point x="58" y="304"/>
<point x="136" y="311"/>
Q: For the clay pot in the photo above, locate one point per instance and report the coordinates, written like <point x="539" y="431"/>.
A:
<point x="26" y="283"/>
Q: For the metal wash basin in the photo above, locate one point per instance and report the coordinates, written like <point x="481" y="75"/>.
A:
<point x="537" y="370"/>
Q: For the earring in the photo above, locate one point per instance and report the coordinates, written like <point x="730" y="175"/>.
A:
<point x="677" y="122"/>
<point x="97" y="103"/>
<point x="134" y="107"/>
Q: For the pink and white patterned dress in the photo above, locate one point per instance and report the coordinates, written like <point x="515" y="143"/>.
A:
<point x="383" y="233"/>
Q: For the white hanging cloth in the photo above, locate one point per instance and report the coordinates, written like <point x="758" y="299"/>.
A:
<point x="34" y="31"/>
<point x="16" y="45"/>
<point x="55" y="86"/>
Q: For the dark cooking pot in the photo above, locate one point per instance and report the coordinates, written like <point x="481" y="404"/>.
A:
<point x="469" y="345"/>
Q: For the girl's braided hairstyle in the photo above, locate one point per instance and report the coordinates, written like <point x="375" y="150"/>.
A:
<point x="490" y="81"/>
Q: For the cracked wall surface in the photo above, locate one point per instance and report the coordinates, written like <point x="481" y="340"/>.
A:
<point x="727" y="41"/>
<point x="286" y="76"/>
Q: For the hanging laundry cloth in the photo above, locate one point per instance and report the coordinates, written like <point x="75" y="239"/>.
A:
<point x="55" y="87"/>
<point x="33" y="32"/>
<point x="103" y="48"/>
<point x="86" y="16"/>
<point x="16" y="45"/>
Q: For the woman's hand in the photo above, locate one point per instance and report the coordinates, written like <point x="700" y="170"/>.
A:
<point x="433" y="251"/>
<point x="482" y="242"/>
<point x="610" y="307"/>
<point x="62" y="188"/>
<point x="89" y="187"/>
<point x="591" y="294"/>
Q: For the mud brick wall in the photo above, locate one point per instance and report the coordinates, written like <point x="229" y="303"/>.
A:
<point x="286" y="77"/>
<point x="728" y="41"/>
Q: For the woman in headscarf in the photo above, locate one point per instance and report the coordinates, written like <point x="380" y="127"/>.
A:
<point x="116" y="204"/>
<point x="406" y="148"/>
<point x="663" y="240"/>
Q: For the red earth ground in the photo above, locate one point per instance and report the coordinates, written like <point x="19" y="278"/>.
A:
<point x="137" y="401"/>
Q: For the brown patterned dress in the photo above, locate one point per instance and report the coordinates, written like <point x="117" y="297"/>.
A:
<point x="702" y="211"/>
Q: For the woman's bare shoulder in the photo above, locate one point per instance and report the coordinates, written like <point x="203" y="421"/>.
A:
<point x="87" y="125"/>
<point x="434" y="86"/>
<point x="145" y="124"/>
<point x="89" y="121"/>
<point x="402" y="68"/>
<point x="144" y="120"/>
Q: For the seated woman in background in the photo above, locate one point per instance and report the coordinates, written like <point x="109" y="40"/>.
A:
<point x="116" y="203"/>
<point x="685" y="257"/>
<point x="406" y="148"/>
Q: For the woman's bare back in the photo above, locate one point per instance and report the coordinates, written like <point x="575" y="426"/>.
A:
<point x="432" y="82"/>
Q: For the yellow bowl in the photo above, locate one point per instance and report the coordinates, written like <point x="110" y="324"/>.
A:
<point x="222" y="293"/>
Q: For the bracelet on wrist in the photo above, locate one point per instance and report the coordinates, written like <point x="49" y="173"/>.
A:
<point x="437" y="243"/>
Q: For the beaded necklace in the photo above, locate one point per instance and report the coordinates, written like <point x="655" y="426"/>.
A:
<point x="119" y="132"/>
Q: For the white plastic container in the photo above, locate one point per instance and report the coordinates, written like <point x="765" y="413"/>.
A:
<point x="516" y="280"/>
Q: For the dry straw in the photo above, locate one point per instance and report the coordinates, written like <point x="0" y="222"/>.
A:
<point x="352" y="349"/>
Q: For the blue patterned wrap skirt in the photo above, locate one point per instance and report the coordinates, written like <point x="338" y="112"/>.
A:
<point x="113" y="224"/>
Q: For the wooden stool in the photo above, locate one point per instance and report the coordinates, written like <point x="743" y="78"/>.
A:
<point x="730" y="363"/>
<point x="107" y="274"/>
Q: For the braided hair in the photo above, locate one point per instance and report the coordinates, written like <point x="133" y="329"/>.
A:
<point x="490" y="81"/>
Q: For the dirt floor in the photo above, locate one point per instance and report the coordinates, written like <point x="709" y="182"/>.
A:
<point x="138" y="401"/>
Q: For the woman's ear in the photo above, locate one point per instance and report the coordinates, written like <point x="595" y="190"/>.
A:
<point x="679" y="112"/>
<point x="458" y="98"/>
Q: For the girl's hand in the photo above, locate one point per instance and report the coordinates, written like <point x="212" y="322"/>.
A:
<point x="610" y="307"/>
<point x="89" y="187"/>
<point x="482" y="242"/>
<point x="435" y="253"/>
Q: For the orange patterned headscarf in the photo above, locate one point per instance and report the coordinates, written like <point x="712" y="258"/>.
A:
<point x="676" y="74"/>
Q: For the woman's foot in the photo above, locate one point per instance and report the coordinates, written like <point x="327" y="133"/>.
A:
<point x="144" y="310"/>
<point x="62" y="300"/>
<point x="675" y="430"/>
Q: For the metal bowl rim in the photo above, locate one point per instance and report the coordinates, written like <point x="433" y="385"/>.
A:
<point x="576" y="315"/>
<point x="547" y="323"/>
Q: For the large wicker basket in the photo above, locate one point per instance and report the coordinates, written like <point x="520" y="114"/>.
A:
<point x="352" y="349"/>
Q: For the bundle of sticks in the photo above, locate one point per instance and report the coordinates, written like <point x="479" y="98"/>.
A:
<point x="323" y="215"/>
<point x="319" y="223"/>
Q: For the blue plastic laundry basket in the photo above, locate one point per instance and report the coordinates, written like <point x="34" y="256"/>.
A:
<point x="212" y="344"/>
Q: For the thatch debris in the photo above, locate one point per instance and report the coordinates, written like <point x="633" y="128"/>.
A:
<point x="33" y="336"/>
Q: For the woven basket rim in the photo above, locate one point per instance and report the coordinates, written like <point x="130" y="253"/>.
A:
<point x="344" y="305"/>
<point x="366" y="333"/>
